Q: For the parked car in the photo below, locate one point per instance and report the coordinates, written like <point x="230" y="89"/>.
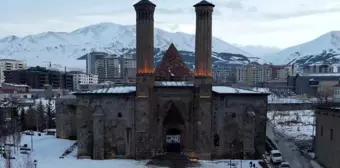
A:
<point x="275" y="156"/>
<point x="284" y="165"/>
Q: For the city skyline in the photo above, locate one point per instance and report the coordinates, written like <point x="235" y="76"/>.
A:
<point x="258" y="22"/>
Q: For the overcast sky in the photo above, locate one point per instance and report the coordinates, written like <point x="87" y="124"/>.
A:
<point x="279" y="23"/>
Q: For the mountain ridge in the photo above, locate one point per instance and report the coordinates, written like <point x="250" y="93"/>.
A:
<point x="63" y="48"/>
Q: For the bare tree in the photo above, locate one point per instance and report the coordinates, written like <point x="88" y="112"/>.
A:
<point x="324" y="93"/>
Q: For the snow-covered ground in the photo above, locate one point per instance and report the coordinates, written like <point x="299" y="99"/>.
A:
<point x="297" y="124"/>
<point x="47" y="150"/>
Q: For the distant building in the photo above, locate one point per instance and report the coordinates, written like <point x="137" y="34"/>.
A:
<point x="8" y="65"/>
<point x="309" y="83"/>
<point x="107" y="69"/>
<point x="90" y="86"/>
<point x="128" y="67"/>
<point x="9" y="90"/>
<point x="252" y="75"/>
<point x="336" y="92"/>
<point x="224" y="75"/>
<point x="37" y="77"/>
<point x="318" y="68"/>
<point x="82" y="78"/>
<point x="327" y="136"/>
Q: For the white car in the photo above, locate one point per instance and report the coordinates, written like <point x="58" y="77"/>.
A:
<point x="284" y="165"/>
<point x="275" y="156"/>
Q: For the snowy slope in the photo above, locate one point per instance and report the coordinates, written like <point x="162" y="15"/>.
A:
<point x="64" y="48"/>
<point x="325" y="47"/>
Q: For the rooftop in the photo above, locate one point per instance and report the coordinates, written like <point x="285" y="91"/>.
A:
<point x="319" y="74"/>
<point x="132" y="89"/>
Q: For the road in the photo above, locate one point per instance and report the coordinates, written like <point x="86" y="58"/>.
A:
<point x="288" y="149"/>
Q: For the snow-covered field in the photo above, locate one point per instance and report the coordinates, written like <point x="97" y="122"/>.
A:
<point x="296" y="124"/>
<point x="47" y="150"/>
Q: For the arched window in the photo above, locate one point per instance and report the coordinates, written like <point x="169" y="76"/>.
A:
<point x="119" y="115"/>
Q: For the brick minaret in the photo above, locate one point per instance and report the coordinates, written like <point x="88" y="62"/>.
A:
<point x="203" y="79"/>
<point x="144" y="46"/>
<point x="144" y="127"/>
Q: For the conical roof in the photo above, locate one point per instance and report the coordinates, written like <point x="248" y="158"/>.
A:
<point x="204" y="3"/>
<point x="144" y="3"/>
<point x="172" y="65"/>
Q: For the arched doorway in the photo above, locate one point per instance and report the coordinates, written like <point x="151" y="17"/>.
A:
<point x="173" y="140"/>
<point x="173" y="125"/>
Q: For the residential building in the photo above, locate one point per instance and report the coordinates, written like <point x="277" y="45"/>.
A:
<point x="9" y="90"/>
<point x="336" y="92"/>
<point x="128" y="67"/>
<point x="37" y="77"/>
<point x="310" y="83"/>
<point x="252" y="75"/>
<point x="327" y="135"/>
<point x="8" y="65"/>
<point x="107" y="69"/>
<point x="318" y="68"/>
<point x="82" y="78"/>
<point x="224" y="75"/>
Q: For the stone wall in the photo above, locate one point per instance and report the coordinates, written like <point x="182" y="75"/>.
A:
<point x="116" y="125"/>
<point x="66" y="118"/>
<point x="232" y="122"/>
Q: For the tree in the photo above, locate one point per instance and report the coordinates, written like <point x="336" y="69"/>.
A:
<point x="49" y="114"/>
<point x="40" y="116"/>
<point x="30" y="118"/>
<point x="324" y="92"/>
<point x="23" y="119"/>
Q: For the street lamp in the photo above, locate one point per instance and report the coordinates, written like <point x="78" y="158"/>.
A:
<point x="35" y="163"/>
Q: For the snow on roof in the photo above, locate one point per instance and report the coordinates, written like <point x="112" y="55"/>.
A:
<point x="319" y="74"/>
<point x="174" y="83"/>
<point x="69" y="96"/>
<point x="113" y="90"/>
<point x="231" y="90"/>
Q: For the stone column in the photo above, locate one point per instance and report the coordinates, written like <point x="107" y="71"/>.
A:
<point x="98" y="135"/>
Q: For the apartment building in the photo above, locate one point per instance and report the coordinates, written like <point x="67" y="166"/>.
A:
<point x="107" y="69"/>
<point x="253" y="75"/>
<point x="37" y="77"/>
<point x="128" y="67"/>
<point x="318" y="68"/>
<point x="8" y="65"/>
<point x="224" y="75"/>
<point x="82" y="78"/>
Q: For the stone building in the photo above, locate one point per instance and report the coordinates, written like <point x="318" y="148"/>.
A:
<point x="171" y="109"/>
<point x="327" y="135"/>
<point x="66" y="117"/>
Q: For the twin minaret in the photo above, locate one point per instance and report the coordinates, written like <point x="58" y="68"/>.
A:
<point x="145" y="37"/>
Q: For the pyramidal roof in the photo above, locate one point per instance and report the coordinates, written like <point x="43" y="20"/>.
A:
<point x="172" y="65"/>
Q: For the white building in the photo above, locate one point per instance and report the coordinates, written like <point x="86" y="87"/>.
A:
<point x="128" y="67"/>
<point x="83" y="78"/>
<point x="8" y="65"/>
<point x="253" y="74"/>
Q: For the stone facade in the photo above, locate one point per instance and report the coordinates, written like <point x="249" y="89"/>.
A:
<point x="66" y="117"/>
<point x="209" y="122"/>
<point x="111" y="125"/>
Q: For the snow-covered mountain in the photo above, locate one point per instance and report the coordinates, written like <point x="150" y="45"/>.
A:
<point x="325" y="48"/>
<point x="63" y="48"/>
<point x="258" y="50"/>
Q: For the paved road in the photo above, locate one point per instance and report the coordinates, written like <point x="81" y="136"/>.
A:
<point x="288" y="149"/>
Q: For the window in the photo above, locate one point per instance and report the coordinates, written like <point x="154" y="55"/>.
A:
<point x="321" y="131"/>
<point x="233" y="115"/>
<point x="119" y="115"/>
<point x="331" y="133"/>
<point x="216" y="140"/>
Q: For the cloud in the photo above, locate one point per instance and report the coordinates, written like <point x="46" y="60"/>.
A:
<point x="234" y="4"/>
<point x="276" y="16"/>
